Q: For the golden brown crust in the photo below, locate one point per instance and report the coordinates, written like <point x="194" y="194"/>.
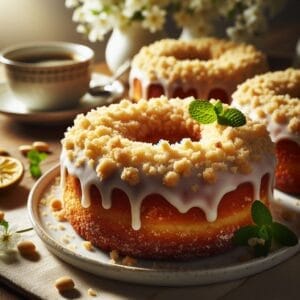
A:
<point x="198" y="60"/>
<point x="288" y="167"/>
<point x="125" y="137"/>
<point x="178" y="68"/>
<point x="165" y="232"/>
<point x="167" y="182"/>
<point x="273" y="99"/>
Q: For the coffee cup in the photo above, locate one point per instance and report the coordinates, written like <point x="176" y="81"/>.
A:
<point x="47" y="76"/>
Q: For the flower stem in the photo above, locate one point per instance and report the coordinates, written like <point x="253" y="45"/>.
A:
<point x="24" y="230"/>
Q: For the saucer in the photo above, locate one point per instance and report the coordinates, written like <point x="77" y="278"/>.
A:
<point x="13" y="108"/>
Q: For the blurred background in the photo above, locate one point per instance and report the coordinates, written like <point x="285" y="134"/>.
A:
<point x="40" y="20"/>
<point x="37" y="20"/>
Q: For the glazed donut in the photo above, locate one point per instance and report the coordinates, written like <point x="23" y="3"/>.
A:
<point x="273" y="98"/>
<point x="148" y="181"/>
<point x="203" y="68"/>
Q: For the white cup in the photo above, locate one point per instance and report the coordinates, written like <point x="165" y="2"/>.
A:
<point x="47" y="76"/>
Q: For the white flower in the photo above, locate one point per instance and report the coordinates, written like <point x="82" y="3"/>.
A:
<point x="133" y="6"/>
<point x="99" y="28"/>
<point x="71" y="3"/>
<point x="154" y="18"/>
<point x="82" y="29"/>
<point x="242" y="19"/>
<point x="8" y="239"/>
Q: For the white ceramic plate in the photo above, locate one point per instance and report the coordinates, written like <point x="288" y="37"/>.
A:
<point x="286" y="209"/>
<point x="11" y="107"/>
<point x="67" y="245"/>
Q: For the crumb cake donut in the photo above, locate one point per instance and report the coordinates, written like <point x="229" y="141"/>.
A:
<point x="153" y="183"/>
<point x="204" y="68"/>
<point x="273" y="98"/>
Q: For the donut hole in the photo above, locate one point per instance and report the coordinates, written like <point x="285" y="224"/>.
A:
<point x="193" y="55"/>
<point x="189" y="52"/>
<point x="156" y="128"/>
<point x="155" y="135"/>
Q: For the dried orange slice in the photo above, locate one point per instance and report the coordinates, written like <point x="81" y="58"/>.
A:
<point x="11" y="171"/>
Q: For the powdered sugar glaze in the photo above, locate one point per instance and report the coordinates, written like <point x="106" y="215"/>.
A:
<point x="182" y="196"/>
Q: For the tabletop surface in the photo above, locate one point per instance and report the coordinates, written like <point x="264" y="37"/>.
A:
<point x="280" y="282"/>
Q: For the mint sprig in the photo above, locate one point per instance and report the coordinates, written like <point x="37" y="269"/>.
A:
<point x="205" y="112"/>
<point x="35" y="158"/>
<point x="263" y="232"/>
<point x="202" y="111"/>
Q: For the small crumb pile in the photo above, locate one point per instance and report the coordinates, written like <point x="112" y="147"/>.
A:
<point x="126" y="260"/>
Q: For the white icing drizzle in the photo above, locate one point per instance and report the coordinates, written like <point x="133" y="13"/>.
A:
<point x="277" y="131"/>
<point x="181" y="197"/>
<point x="169" y="88"/>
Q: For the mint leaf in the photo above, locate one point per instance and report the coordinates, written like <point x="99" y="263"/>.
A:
<point x="35" y="170"/>
<point x="265" y="233"/>
<point x="202" y="111"/>
<point x="205" y="112"/>
<point x="261" y="214"/>
<point x="232" y="117"/>
<point x="35" y="158"/>
<point x="242" y="235"/>
<point x="262" y="250"/>
<point x="4" y="224"/>
<point x="218" y="108"/>
<point x="283" y="235"/>
<point x="260" y="236"/>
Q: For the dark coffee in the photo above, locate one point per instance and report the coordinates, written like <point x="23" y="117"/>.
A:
<point x="47" y="59"/>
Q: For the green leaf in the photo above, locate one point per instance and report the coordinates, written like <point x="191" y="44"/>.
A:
<point x="4" y="224"/>
<point x="202" y="111"/>
<point x="42" y="156"/>
<point x="35" y="158"/>
<point x="261" y="214"/>
<point x="232" y="117"/>
<point x="35" y="170"/>
<point x="242" y="235"/>
<point x="262" y="250"/>
<point x="265" y="233"/>
<point x="284" y="235"/>
<point x="218" y="108"/>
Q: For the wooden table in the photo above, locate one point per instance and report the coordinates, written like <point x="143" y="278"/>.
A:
<point x="12" y="135"/>
<point x="280" y="282"/>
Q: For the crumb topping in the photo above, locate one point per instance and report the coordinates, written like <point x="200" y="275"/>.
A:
<point x="158" y="138"/>
<point x="273" y="96"/>
<point x="197" y="60"/>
